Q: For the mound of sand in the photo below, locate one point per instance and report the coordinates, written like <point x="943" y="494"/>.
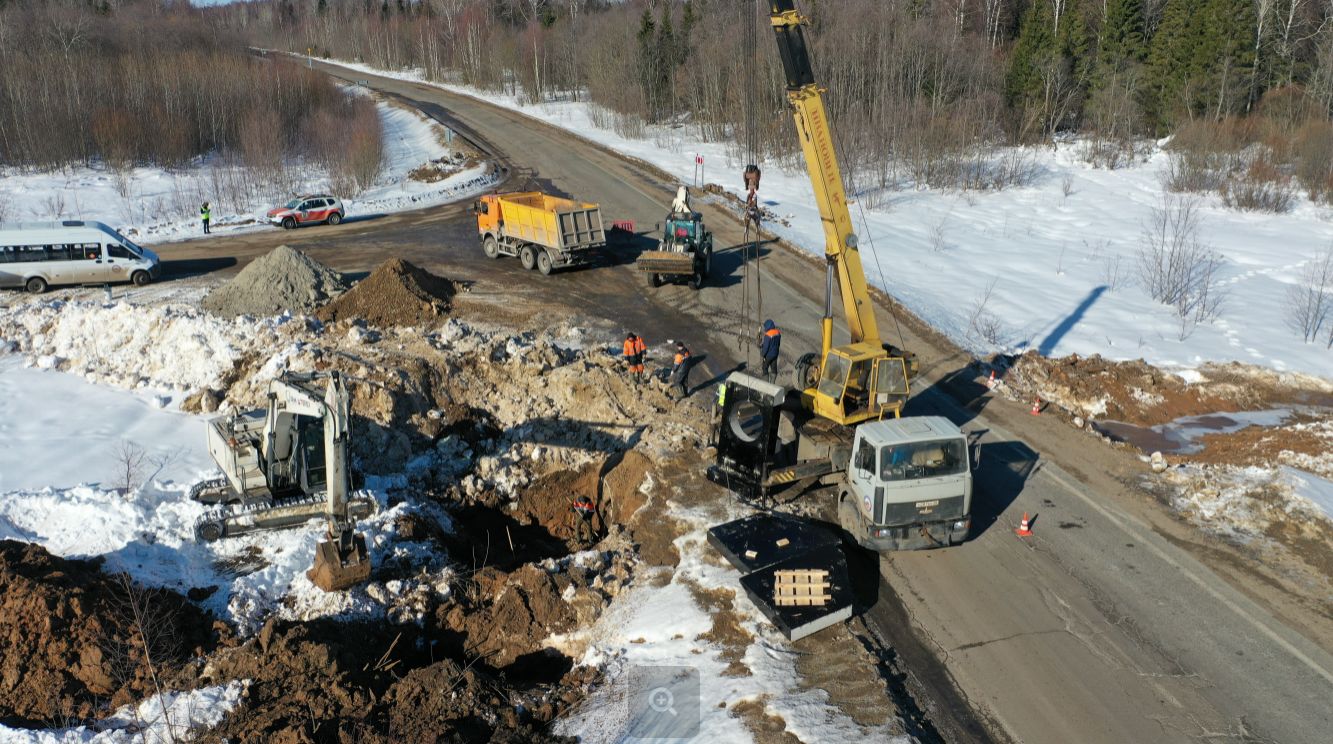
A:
<point x="70" y="642"/>
<point x="283" y="280"/>
<point x="397" y="293"/>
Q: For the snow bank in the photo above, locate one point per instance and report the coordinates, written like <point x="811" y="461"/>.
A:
<point x="1242" y="503"/>
<point x="146" y="723"/>
<point x="1064" y="266"/>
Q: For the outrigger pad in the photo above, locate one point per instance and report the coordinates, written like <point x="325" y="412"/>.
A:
<point x="762" y="544"/>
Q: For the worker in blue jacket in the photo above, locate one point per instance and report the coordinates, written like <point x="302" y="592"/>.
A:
<point x="770" y="343"/>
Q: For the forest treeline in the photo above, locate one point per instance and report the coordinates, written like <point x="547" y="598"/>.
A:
<point x="148" y="83"/>
<point x="920" y="90"/>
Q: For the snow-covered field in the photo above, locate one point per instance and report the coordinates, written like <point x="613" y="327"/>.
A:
<point x="1064" y="267"/>
<point x="155" y="205"/>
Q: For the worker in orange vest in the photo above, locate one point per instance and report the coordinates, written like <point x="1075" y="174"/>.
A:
<point x="583" y="510"/>
<point x="680" y="369"/>
<point x="634" y="349"/>
<point x="770" y="343"/>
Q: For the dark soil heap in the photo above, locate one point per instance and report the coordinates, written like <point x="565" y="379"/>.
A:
<point x="70" y="647"/>
<point x="326" y="681"/>
<point x="397" y="293"/>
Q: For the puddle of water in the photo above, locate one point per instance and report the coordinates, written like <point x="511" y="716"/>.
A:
<point x="1182" y="436"/>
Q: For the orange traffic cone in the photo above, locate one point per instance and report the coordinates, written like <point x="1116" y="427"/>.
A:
<point x="1025" y="527"/>
<point x="1036" y="407"/>
<point x="991" y="382"/>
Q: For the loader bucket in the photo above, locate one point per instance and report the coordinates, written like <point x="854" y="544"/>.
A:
<point x="340" y="562"/>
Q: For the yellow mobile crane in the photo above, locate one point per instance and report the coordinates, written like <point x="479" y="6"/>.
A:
<point x="861" y="380"/>
<point x="910" y="483"/>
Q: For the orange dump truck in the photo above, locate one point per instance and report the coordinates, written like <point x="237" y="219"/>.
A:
<point x="545" y="232"/>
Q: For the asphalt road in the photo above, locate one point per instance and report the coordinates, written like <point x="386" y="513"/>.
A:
<point x="1111" y="624"/>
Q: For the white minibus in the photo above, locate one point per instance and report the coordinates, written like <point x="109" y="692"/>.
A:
<point x="37" y="255"/>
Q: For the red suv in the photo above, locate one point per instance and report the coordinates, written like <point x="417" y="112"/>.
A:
<point x="308" y="210"/>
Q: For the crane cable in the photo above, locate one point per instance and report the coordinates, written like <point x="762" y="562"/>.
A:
<point x="750" y="246"/>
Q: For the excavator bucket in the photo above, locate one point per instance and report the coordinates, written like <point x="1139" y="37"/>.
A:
<point x="341" y="562"/>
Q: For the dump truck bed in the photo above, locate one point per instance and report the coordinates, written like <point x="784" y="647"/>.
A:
<point x="550" y="221"/>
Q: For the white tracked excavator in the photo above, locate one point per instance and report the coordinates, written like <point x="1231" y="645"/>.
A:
<point x="286" y="464"/>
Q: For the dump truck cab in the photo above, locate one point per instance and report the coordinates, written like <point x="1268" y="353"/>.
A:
<point x="908" y="484"/>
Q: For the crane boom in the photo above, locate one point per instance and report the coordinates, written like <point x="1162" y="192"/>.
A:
<point x="817" y="143"/>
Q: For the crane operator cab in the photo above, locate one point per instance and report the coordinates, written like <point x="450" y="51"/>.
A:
<point x="858" y="382"/>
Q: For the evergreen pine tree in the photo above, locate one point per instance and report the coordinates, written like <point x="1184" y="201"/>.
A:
<point x="1036" y="47"/>
<point x="668" y="55"/>
<point x="1123" y="38"/>
<point x="648" y="63"/>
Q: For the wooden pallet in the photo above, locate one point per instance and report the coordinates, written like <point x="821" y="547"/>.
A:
<point x="801" y="587"/>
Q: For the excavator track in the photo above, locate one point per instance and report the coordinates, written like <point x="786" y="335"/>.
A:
<point x="240" y="519"/>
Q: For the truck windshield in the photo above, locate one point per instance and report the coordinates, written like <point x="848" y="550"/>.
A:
<point x="916" y="460"/>
<point x="293" y="204"/>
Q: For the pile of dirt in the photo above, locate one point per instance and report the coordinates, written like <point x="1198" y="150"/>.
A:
<point x="329" y="681"/>
<point x="282" y="280"/>
<point x="1096" y="388"/>
<point x="1138" y="393"/>
<point x="397" y="293"/>
<point x="72" y="640"/>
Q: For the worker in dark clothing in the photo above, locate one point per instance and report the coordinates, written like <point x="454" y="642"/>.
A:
<point x="634" y="349"/>
<point x="680" y="369"/>
<point x="583" y="510"/>
<point x="770" y="343"/>
<point x="206" y="214"/>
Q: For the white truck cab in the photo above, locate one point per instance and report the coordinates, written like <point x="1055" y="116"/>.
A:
<point x="908" y="484"/>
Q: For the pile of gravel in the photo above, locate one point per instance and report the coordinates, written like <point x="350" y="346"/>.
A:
<point x="397" y="293"/>
<point x="283" y="280"/>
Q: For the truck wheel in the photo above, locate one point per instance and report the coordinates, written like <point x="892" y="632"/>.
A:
<point x="335" y="218"/>
<point x="490" y="247"/>
<point x="848" y="519"/>
<point x="544" y="263"/>
<point x="655" y="280"/>
<point x="288" y="223"/>
<point x="36" y="285"/>
<point x="210" y="530"/>
<point x="140" y="278"/>
<point x="806" y="373"/>
<point x="527" y="257"/>
<point x="696" y="280"/>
